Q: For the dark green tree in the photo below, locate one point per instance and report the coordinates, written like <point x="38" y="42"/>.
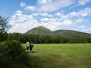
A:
<point x="4" y="25"/>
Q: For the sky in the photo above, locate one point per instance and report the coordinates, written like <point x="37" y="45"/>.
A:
<point x="24" y="15"/>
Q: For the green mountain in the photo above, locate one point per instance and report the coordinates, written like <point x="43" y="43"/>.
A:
<point x="44" y="30"/>
<point x="39" y="30"/>
<point x="69" y="32"/>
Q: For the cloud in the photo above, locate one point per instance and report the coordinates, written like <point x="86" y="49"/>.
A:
<point x="47" y="5"/>
<point x="80" y="20"/>
<point x="52" y="5"/>
<point x="55" y="5"/>
<point x="43" y="14"/>
<point x="40" y="2"/>
<point x="26" y="7"/>
<point x="22" y="4"/>
<point x="85" y="12"/>
<point x="80" y="14"/>
<point x="67" y="22"/>
<point x="59" y="14"/>
<point x="84" y="29"/>
<point x="31" y="8"/>
<point x="83" y="2"/>
<point x="79" y="3"/>
<point x="44" y="19"/>
<point x="22" y="22"/>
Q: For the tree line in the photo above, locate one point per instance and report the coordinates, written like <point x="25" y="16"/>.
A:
<point x="43" y="38"/>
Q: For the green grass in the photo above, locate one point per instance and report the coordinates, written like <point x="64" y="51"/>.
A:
<point x="61" y="56"/>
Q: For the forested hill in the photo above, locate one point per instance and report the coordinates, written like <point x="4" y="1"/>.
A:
<point x="70" y="33"/>
<point x="39" y="30"/>
<point x="44" y="30"/>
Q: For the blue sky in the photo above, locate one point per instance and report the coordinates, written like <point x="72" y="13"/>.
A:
<point x="54" y="14"/>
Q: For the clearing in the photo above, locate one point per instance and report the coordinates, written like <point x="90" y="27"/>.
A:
<point x="61" y="56"/>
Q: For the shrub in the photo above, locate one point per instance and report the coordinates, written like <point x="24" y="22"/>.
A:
<point x="13" y="55"/>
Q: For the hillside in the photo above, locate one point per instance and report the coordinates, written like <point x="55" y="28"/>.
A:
<point x="70" y="33"/>
<point x="44" y="30"/>
<point x="39" y="30"/>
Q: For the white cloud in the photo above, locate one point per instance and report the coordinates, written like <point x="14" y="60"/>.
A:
<point x="44" y="1"/>
<point x="35" y="14"/>
<point x="55" y="5"/>
<point x="22" y="4"/>
<point x="80" y="14"/>
<point x="83" y="29"/>
<point x="18" y="12"/>
<point x="79" y="20"/>
<point x="47" y="5"/>
<point x="23" y="22"/>
<point x="50" y="26"/>
<point x="74" y="14"/>
<point x="85" y="12"/>
<point x="59" y="14"/>
<point x="51" y="23"/>
<point x="44" y="19"/>
<point x="52" y="5"/>
<point x="67" y="22"/>
<point x="31" y="8"/>
<point x="83" y="2"/>
<point x="43" y="14"/>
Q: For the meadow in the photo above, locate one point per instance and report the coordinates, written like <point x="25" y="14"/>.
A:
<point x="61" y="56"/>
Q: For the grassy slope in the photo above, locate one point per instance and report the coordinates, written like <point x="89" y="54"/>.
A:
<point x="39" y="30"/>
<point x="61" y="56"/>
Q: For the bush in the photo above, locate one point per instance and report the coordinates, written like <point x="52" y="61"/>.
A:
<point x="13" y="55"/>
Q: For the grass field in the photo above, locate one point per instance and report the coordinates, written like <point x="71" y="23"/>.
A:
<point x="61" y="56"/>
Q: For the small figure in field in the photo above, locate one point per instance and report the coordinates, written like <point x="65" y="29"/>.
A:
<point x="31" y="46"/>
<point x="27" y="46"/>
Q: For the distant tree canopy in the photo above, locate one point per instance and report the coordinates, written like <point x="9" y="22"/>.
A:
<point x="46" y="38"/>
<point x="4" y="26"/>
<point x="42" y="38"/>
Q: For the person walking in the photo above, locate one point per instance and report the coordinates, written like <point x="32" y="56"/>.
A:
<point x="31" y="46"/>
<point x="27" y="46"/>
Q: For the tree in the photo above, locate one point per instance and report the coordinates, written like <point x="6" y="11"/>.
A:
<point x="4" y="25"/>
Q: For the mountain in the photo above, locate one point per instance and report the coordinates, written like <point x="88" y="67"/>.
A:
<point x="69" y="32"/>
<point x="39" y="30"/>
<point x="44" y="30"/>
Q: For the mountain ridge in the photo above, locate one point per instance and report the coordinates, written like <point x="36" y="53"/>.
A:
<point x="44" y="30"/>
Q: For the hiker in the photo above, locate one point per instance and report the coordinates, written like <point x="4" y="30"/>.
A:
<point x="27" y="46"/>
<point x="31" y="46"/>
